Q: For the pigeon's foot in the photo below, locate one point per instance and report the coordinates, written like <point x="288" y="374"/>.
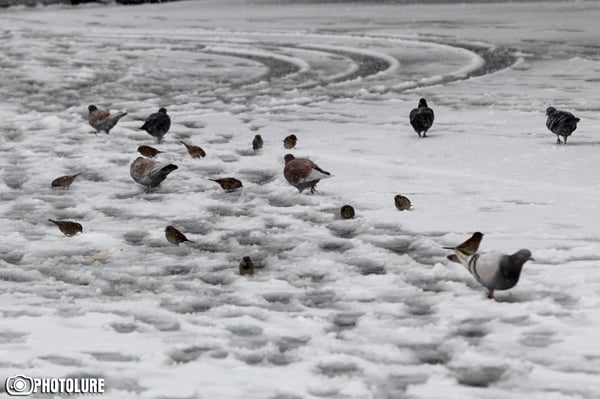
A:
<point x="419" y="133"/>
<point x="94" y="132"/>
<point x="313" y="190"/>
<point x="490" y="294"/>
<point x="558" y="140"/>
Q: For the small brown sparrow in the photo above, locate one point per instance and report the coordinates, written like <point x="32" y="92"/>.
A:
<point x="402" y="203"/>
<point x="64" y="181"/>
<point x="471" y="246"/>
<point x="148" y="152"/>
<point x="194" y="151"/>
<point x="347" y="212"/>
<point x="257" y="143"/>
<point x="68" y="228"/>
<point x="175" y="236"/>
<point x="228" y="183"/>
<point x="290" y="141"/>
<point x="246" y="266"/>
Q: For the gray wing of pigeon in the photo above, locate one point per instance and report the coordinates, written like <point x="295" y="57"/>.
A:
<point x="110" y="122"/>
<point x="150" y="173"/>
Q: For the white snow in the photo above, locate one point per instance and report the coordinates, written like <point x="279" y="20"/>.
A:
<point x="361" y="308"/>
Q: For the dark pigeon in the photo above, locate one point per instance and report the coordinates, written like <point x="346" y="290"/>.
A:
<point x="303" y="173"/>
<point x="157" y="124"/>
<point x="150" y="173"/>
<point x="421" y="118"/>
<point x="561" y="123"/>
<point x="494" y="270"/>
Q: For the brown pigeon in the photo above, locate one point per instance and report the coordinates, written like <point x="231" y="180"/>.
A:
<point x="303" y="173"/>
<point x="228" y="183"/>
<point x="175" y="236"/>
<point x="102" y="120"/>
<point x="194" y="151"/>
<point x="67" y="228"/>
<point x="64" y="181"/>
<point x="150" y="173"/>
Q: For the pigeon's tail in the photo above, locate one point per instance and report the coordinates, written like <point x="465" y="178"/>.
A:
<point x="317" y="173"/>
<point x="168" y="169"/>
<point x="53" y="221"/>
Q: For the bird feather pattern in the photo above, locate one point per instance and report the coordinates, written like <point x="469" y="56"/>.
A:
<point x="561" y="123"/>
<point x="421" y="118"/>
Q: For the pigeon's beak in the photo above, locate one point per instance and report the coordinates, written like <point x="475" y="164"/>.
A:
<point x="531" y="259"/>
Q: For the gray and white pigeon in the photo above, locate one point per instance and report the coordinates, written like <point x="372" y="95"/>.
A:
<point x="157" y="124"/>
<point x="103" y="120"/>
<point x="561" y="123"/>
<point x="494" y="270"/>
<point x="421" y="118"/>
<point x="303" y="173"/>
<point x="150" y="173"/>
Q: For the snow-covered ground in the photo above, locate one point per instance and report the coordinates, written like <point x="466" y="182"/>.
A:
<point x="361" y="308"/>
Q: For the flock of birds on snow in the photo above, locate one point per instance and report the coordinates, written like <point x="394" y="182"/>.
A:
<point x="493" y="270"/>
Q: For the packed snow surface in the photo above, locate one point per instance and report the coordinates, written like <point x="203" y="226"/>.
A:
<point x="361" y="308"/>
